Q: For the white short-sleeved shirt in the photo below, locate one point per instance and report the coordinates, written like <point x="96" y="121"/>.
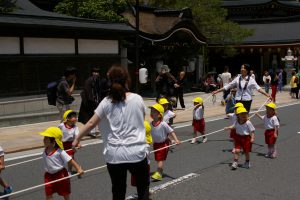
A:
<point x="160" y="132"/>
<point x="198" y="113"/>
<point x="233" y="117"/>
<point x="244" y="129"/>
<point x="55" y="161"/>
<point x="168" y="115"/>
<point x="69" y="134"/>
<point x="271" y="123"/>
<point x="1" y="151"/>
<point x="122" y="128"/>
<point x="247" y="94"/>
<point x="225" y="76"/>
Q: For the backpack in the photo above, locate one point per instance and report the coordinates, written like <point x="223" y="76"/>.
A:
<point x="52" y="92"/>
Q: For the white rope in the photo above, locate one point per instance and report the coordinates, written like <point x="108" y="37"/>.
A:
<point x="103" y="166"/>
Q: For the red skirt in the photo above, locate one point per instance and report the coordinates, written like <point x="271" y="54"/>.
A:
<point x="62" y="188"/>
<point x="162" y="154"/>
<point x="243" y="142"/>
<point x="199" y="125"/>
<point x="232" y="133"/>
<point x="68" y="148"/>
<point x="270" y="136"/>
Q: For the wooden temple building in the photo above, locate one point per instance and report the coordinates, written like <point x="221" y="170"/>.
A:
<point x="276" y="25"/>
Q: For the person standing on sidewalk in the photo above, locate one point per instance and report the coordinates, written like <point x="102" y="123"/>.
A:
<point x="267" y="81"/>
<point x="244" y="84"/>
<point x="293" y="84"/>
<point x="280" y="80"/>
<point x="226" y="78"/>
<point x="65" y="89"/>
<point x="179" y="90"/>
<point x="120" y="116"/>
<point x="274" y="85"/>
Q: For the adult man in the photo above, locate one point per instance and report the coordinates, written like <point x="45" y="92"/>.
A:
<point x="65" y="89"/>
<point x="226" y="78"/>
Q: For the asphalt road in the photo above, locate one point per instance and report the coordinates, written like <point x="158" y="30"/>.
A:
<point x="211" y="179"/>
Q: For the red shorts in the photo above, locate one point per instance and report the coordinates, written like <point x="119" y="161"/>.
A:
<point x="270" y="136"/>
<point x="199" y="125"/>
<point x="162" y="154"/>
<point x="243" y="142"/>
<point x="68" y="148"/>
<point x="62" y="188"/>
<point x="232" y="133"/>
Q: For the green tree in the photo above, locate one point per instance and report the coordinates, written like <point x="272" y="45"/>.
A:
<point x="7" y="5"/>
<point x="93" y="9"/>
<point x="210" y="18"/>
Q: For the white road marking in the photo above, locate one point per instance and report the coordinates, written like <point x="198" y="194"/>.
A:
<point x="171" y="183"/>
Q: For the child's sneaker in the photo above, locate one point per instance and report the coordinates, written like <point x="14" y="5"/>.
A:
<point x="156" y="176"/>
<point x="234" y="165"/>
<point x="246" y="165"/>
<point x="194" y="140"/>
<point x="8" y="190"/>
<point x="273" y="155"/>
<point x="268" y="155"/>
<point x="204" y="140"/>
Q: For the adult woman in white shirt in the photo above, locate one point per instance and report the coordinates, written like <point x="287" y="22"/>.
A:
<point x="244" y="84"/>
<point x="121" y="121"/>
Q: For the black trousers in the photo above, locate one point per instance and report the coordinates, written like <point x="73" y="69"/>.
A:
<point x="247" y="104"/>
<point x="118" y="176"/>
<point x="179" y="95"/>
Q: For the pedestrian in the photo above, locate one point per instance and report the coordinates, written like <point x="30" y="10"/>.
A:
<point x="274" y="85"/>
<point x="244" y="137"/>
<point x="160" y="131"/>
<point x="271" y="123"/>
<point x="55" y="160"/>
<point x="293" y="84"/>
<point x="120" y="116"/>
<point x="70" y="130"/>
<point x="226" y="78"/>
<point x="252" y="75"/>
<point x="95" y="89"/>
<point x="65" y="89"/>
<point x="198" y="120"/>
<point x="230" y="101"/>
<point x="233" y="117"/>
<point x="280" y="80"/>
<point x="168" y="114"/>
<point x="298" y="83"/>
<point x="179" y="90"/>
<point x="267" y="81"/>
<point x="7" y="188"/>
<point x="244" y="84"/>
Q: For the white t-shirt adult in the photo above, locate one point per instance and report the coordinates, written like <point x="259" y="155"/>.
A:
<point x="69" y="134"/>
<point x="55" y="161"/>
<point x="122" y="128"/>
<point x="225" y="76"/>
<point x="247" y="92"/>
<point x="198" y="113"/>
<point x="267" y="79"/>
<point x="168" y="115"/>
<point x="160" y="132"/>
<point x="271" y="123"/>
<point x="245" y="128"/>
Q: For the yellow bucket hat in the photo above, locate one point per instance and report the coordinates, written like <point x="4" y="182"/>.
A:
<point x="159" y="108"/>
<point x="198" y="100"/>
<point x="239" y="104"/>
<point x="163" y="101"/>
<point x="65" y="116"/>
<point x="240" y="110"/>
<point x="271" y="105"/>
<point x="55" y="133"/>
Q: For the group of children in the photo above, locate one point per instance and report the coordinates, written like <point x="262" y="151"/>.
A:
<point x="59" y="156"/>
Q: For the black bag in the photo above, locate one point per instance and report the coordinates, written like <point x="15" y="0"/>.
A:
<point x="52" y="92"/>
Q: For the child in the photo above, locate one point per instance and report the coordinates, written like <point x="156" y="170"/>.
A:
<point x="7" y="188"/>
<point x="160" y="131"/>
<point x="55" y="160"/>
<point x="148" y="141"/>
<point x="244" y="137"/>
<point x="230" y="102"/>
<point x="70" y="131"/>
<point x="168" y="114"/>
<point x="271" y="125"/>
<point x="198" y="119"/>
<point x="233" y="118"/>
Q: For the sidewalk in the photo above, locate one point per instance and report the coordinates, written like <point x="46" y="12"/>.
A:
<point x="25" y="137"/>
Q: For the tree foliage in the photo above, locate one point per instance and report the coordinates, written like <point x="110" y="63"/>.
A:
<point x="93" y="9"/>
<point x="7" y="5"/>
